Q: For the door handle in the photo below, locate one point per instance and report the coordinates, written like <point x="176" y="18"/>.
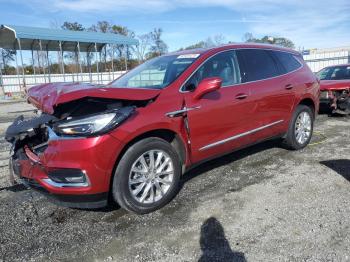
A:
<point x="241" y="96"/>
<point x="289" y="86"/>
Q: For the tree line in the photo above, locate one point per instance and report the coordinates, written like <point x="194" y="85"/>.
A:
<point x="150" y="45"/>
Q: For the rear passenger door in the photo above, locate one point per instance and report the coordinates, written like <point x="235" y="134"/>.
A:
<point x="273" y="100"/>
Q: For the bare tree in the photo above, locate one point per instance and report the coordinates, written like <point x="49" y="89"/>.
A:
<point x="159" y="47"/>
<point x="219" y="39"/>
<point x="142" y="48"/>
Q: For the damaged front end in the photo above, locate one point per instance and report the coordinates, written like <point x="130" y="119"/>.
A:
<point x="28" y="138"/>
<point x="61" y="154"/>
<point x="337" y="100"/>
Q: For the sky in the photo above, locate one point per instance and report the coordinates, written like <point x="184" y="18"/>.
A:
<point x="309" y="24"/>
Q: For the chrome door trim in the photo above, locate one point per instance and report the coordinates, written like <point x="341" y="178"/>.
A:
<point x="181" y="111"/>
<point x="239" y="135"/>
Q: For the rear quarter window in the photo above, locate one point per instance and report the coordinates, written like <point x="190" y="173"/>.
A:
<point x="256" y="64"/>
<point x="287" y="60"/>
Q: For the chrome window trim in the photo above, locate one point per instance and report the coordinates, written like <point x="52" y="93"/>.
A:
<point x="234" y="49"/>
<point x="220" y="142"/>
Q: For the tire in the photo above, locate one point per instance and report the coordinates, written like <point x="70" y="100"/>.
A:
<point x="127" y="180"/>
<point x="291" y="140"/>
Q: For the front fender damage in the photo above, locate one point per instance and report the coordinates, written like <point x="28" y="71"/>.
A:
<point x="30" y="137"/>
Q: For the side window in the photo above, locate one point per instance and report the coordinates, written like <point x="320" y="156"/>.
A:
<point x="287" y="60"/>
<point x="223" y="65"/>
<point x="256" y="64"/>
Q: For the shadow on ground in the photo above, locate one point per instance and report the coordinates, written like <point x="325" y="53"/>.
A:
<point x="214" y="244"/>
<point x="15" y="188"/>
<point x="341" y="166"/>
<point x="229" y="158"/>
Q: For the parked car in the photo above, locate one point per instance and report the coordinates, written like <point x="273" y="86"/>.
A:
<point x="335" y="89"/>
<point x="134" y="138"/>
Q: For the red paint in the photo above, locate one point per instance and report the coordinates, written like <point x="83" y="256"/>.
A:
<point x="223" y="113"/>
<point x="334" y="85"/>
<point x="47" y="96"/>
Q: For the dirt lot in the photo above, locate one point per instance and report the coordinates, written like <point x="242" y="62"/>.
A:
<point x="263" y="203"/>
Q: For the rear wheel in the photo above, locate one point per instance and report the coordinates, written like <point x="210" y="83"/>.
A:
<point x="300" y="129"/>
<point x="147" y="176"/>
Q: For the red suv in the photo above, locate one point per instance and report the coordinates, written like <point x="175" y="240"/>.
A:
<point x="134" y="138"/>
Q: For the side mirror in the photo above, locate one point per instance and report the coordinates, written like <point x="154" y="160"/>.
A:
<point x="206" y="86"/>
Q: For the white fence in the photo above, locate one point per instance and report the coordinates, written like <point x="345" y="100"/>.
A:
<point x="13" y="83"/>
<point x="318" y="59"/>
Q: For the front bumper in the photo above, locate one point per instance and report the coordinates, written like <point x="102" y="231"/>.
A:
<point x="95" y="157"/>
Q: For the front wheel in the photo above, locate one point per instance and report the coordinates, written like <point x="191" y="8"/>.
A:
<point x="147" y="176"/>
<point x="300" y="128"/>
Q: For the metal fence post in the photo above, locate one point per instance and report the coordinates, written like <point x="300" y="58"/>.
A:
<point x="113" y="61"/>
<point x="81" y="69"/>
<point x="17" y="71"/>
<point x="48" y="62"/>
<point x="62" y="61"/>
<point x="2" y="91"/>
<point x="33" y="61"/>
<point x="106" y="67"/>
<point x="20" y="52"/>
<point x="125" y="58"/>
<point x="97" y="69"/>
<point x="88" y="59"/>
<point x="41" y="51"/>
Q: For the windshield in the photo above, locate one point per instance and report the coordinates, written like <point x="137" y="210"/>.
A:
<point x="156" y="73"/>
<point x="334" y="73"/>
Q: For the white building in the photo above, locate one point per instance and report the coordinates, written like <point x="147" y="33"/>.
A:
<point x="320" y="58"/>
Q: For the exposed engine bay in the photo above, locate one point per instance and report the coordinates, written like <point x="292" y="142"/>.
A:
<point x="83" y="117"/>
<point x="339" y="100"/>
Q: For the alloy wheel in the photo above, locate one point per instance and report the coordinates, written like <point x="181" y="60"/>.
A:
<point x="303" y="125"/>
<point x="151" y="176"/>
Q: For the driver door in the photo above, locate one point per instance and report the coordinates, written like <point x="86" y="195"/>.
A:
<point x="220" y="118"/>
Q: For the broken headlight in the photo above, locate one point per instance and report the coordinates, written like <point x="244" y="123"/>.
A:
<point x="93" y="124"/>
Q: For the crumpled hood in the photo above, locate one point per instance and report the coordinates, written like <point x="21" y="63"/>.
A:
<point x="47" y="96"/>
<point x="328" y="85"/>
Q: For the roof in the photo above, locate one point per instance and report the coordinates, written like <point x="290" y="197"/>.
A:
<point x="50" y="38"/>
<point x="234" y="46"/>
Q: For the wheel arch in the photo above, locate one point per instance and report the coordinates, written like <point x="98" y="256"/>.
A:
<point x="168" y="135"/>
<point x="307" y="101"/>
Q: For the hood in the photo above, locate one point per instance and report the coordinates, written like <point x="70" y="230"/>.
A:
<point x="329" y="85"/>
<point x="47" y="96"/>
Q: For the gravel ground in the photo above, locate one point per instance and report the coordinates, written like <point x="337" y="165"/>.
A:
<point x="263" y="203"/>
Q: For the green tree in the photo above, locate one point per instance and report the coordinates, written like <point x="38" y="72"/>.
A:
<point x="101" y="26"/>
<point x="158" y="47"/>
<point x="200" y="44"/>
<point x="123" y="30"/>
<point x="216" y="40"/>
<point x="7" y="56"/>
<point x="75" y="26"/>
<point x="281" y="41"/>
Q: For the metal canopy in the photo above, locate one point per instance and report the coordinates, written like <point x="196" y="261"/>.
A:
<point x="51" y="38"/>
